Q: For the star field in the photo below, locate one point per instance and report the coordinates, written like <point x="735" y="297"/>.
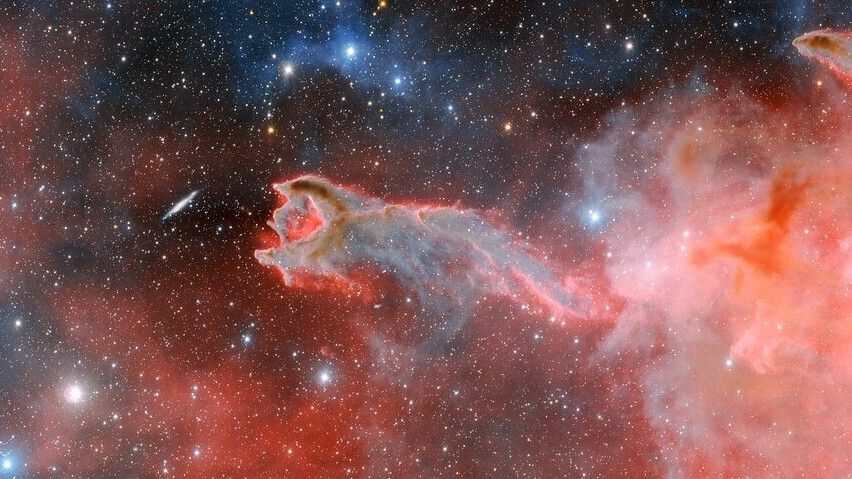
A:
<point x="309" y="239"/>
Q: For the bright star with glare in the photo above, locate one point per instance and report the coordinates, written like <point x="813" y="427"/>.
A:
<point x="324" y="377"/>
<point x="74" y="394"/>
<point x="7" y="464"/>
<point x="287" y="69"/>
<point x="594" y="216"/>
<point x="350" y="51"/>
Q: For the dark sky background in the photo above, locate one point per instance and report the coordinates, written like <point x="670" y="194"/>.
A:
<point x="136" y="344"/>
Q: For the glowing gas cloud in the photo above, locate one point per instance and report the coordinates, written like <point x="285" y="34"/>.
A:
<point x="734" y="262"/>
<point x="332" y="235"/>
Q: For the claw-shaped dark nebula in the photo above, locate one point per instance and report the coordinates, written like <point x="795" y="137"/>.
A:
<point x="451" y="258"/>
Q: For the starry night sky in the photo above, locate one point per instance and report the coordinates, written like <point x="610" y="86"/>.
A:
<point x="633" y="256"/>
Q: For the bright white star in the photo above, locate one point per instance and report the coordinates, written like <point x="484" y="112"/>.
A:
<point x="594" y="216"/>
<point x="74" y="394"/>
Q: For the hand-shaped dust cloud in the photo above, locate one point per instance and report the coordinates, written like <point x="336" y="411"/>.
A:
<point x="331" y="235"/>
<point x="832" y="48"/>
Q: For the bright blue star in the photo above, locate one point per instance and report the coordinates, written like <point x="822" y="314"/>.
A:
<point x="594" y="216"/>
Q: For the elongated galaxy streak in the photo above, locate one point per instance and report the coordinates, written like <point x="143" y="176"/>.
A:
<point x="180" y="205"/>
